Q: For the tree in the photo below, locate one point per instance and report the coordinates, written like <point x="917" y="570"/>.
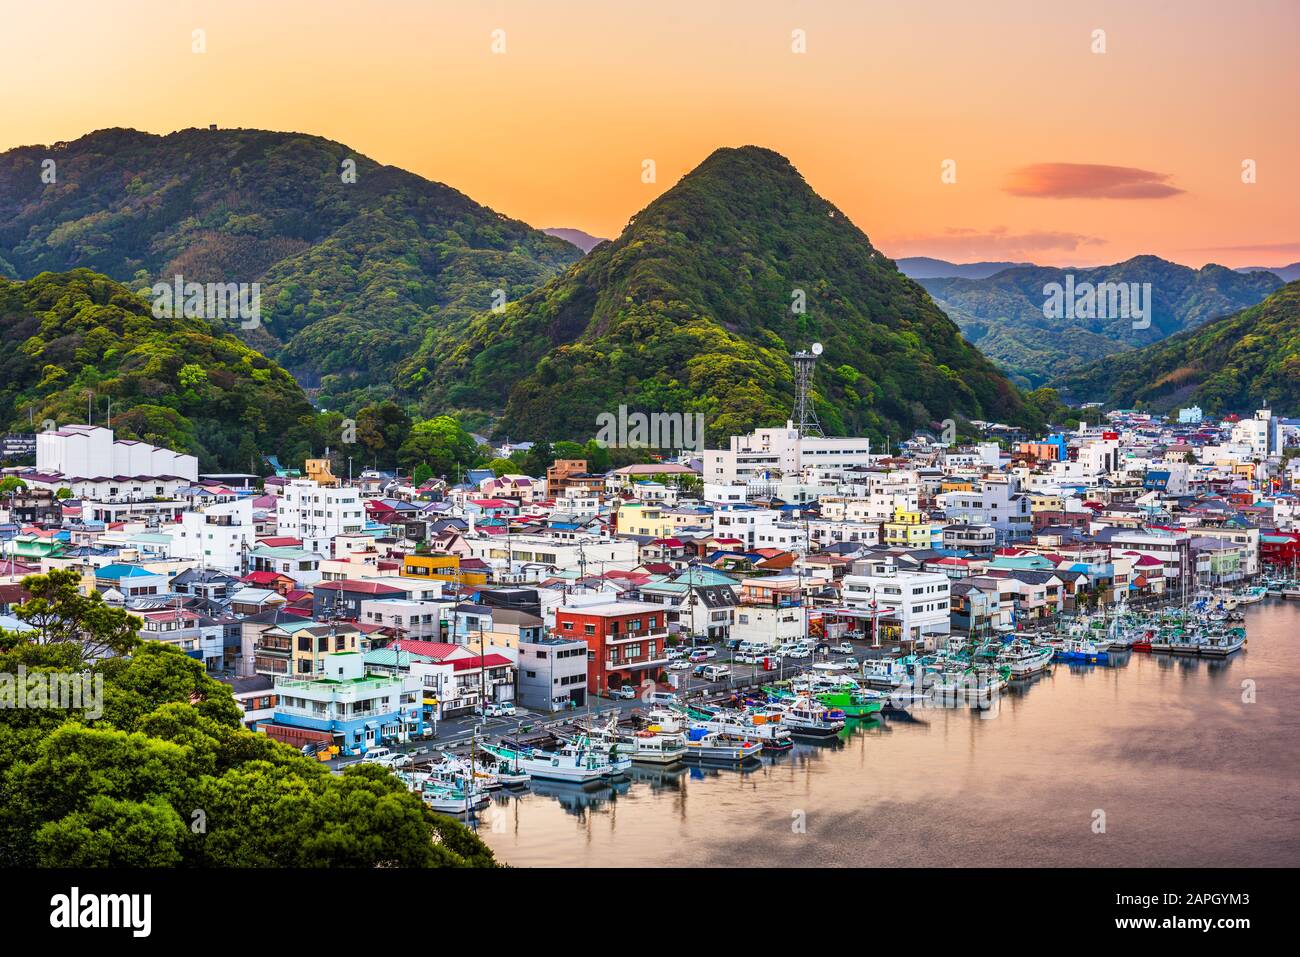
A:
<point x="10" y="484"/>
<point x="60" y="613"/>
<point x="421" y="474"/>
<point x="63" y="494"/>
<point x="381" y="430"/>
<point x="442" y="444"/>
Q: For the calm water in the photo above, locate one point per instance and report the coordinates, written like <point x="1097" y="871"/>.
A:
<point x="1186" y="772"/>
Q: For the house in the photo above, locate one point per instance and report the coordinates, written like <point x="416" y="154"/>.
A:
<point x="552" y="673"/>
<point x="346" y="706"/>
<point x="625" y="641"/>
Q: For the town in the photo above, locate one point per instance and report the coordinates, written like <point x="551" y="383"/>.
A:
<point x="508" y="627"/>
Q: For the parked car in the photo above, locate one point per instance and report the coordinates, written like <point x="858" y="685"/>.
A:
<point x="702" y="654"/>
<point x="716" y="672"/>
<point x="845" y="648"/>
<point x="496" y="709"/>
<point x="681" y="664"/>
<point x="627" y="692"/>
<point x="851" y="662"/>
<point x="676" y="654"/>
<point x="400" y="760"/>
<point x="379" y="756"/>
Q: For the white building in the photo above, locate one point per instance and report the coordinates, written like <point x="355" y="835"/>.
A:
<point x="315" y="514"/>
<point x="90" y="452"/>
<point x="217" y="535"/>
<point x="766" y="454"/>
<point x="919" y="600"/>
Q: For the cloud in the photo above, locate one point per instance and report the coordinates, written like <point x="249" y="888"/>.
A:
<point x="1088" y="181"/>
<point x="964" y="244"/>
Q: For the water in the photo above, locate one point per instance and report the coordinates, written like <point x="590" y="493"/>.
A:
<point x="1185" y="772"/>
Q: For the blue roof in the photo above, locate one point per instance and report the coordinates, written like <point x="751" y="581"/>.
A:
<point x="120" y="571"/>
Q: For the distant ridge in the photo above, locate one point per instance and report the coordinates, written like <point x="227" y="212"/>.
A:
<point x="1285" y="273"/>
<point x="925" y="267"/>
<point x="584" y="241"/>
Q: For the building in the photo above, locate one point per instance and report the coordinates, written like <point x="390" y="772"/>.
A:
<point x="314" y="514"/>
<point x="625" y="641"/>
<point x="783" y="453"/>
<point x="90" y="454"/>
<point x="918" y="600"/>
<point x="216" y="536"/>
<point x="347" y="707"/>
<point x="552" y="673"/>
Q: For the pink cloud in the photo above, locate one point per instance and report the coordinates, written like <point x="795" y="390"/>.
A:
<point x="1089" y="181"/>
<point x="962" y="243"/>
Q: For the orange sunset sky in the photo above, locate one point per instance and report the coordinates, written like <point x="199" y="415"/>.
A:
<point x="1062" y="155"/>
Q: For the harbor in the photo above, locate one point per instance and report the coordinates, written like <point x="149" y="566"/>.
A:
<point x="1015" y="780"/>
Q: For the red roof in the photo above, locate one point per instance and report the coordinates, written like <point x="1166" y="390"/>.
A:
<point x="487" y="661"/>
<point x="430" y="649"/>
<point x="364" y="588"/>
<point x="263" y="578"/>
<point x="280" y="541"/>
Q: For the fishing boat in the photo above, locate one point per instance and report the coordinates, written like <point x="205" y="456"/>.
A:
<point x="806" y="717"/>
<point x="763" y="725"/>
<point x="1223" y="643"/>
<point x="573" y="765"/>
<point x="857" y="703"/>
<point x="1023" y="658"/>
<point x="1079" y="649"/>
<point x="711" y="747"/>
<point x="448" y="799"/>
<point x="646" y="746"/>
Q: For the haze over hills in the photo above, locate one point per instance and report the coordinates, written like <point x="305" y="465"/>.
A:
<point x="924" y="267"/>
<point x="1238" y="363"/>
<point x="584" y="241"/>
<point x="1004" y="313"/>
<point x="691" y="309"/>
<point x="354" y="275"/>
<point x="1285" y="273"/>
<point x="182" y="383"/>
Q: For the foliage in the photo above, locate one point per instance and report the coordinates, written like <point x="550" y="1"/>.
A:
<point x="690" y="310"/>
<point x="1239" y="363"/>
<point x="60" y="613"/>
<point x="354" y="275"/>
<point x="176" y="382"/>
<point x="1003" y="314"/>
<point x="168" y="777"/>
<point x="441" y="445"/>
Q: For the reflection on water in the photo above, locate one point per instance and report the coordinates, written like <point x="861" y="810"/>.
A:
<point x="1187" y="761"/>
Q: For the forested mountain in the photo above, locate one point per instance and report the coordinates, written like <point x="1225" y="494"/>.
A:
<point x="358" y="262"/>
<point x="925" y="267"/>
<point x="584" y="241"/>
<point x="1004" y="314"/>
<point x="178" y="382"/>
<point x="696" y="306"/>
<point x="1238" y="363"/>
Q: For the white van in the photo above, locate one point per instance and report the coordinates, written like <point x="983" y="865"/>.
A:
<point x="379" y="756"/>
<point x="716" y="672"/>
<point x="663" y="698"/>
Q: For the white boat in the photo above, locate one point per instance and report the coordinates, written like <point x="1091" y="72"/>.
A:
<point x="446" y="799"/>
<point x="806" y="717"/>
<point x="645" y="746"/>
<point x="666" y="721"/>
<point x="709" y="746"/>
<point x="767" y="727"/>
<point x="575" y="765"/>
<point x="1025" y="659"/>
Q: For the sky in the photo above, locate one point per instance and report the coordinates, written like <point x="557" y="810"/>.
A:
<point x="963" y="130"/>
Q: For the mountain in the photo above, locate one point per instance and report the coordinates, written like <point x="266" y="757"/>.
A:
<point x="584" y="241"/>
<point x="1285" y="273"/>
<point x="693" y="309"/>
<point x="923" y="267"/>
<point x="354" y="275"/>
<point x="1005" y="315"/>
<point x="1238" y="363"/>
<point x="183" y="383"/>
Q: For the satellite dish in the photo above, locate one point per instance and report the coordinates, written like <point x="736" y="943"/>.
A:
<point x="816" y="348"/>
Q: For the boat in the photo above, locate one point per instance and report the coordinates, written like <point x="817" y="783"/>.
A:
<point x="806" y="717"/>
<point x="448" y="799"/>
<point x="573" y="765"/>
<point x="1024" y="658"/>
<point x="858" y="703"/>
<point x="711" y="747"/>
<point x="1221" y="644"/>
<point x="763" y="725"/>
<point x="1079" y="649"/>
